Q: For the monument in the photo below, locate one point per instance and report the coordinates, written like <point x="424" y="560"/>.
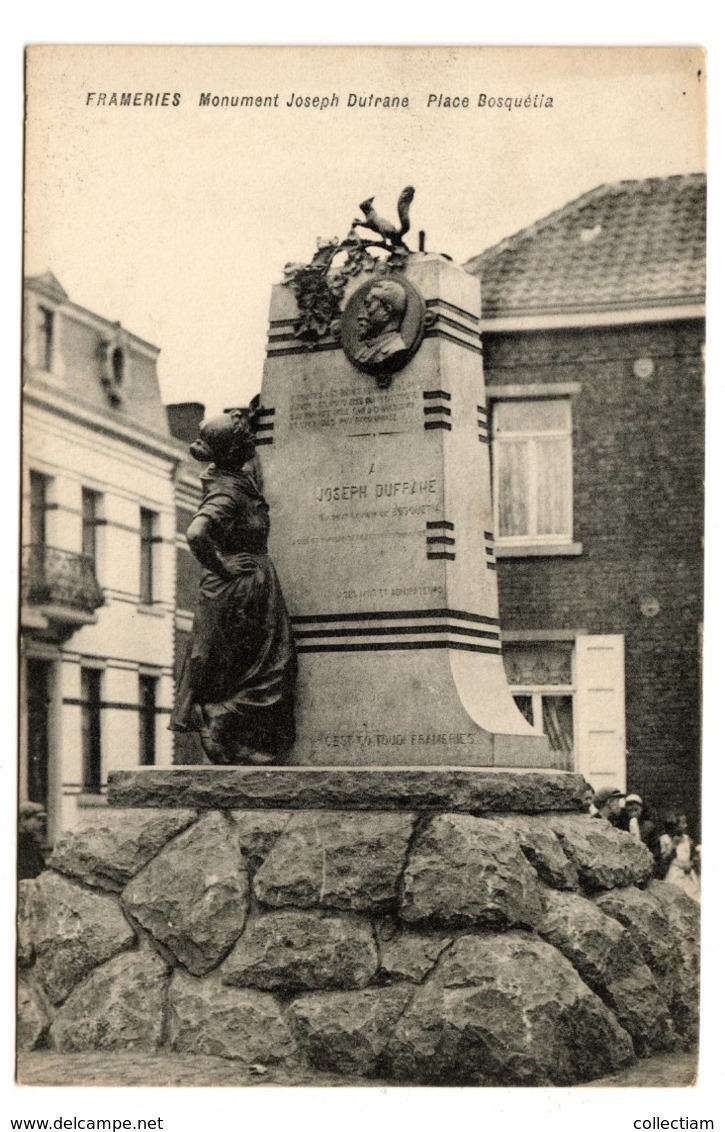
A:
<point x="373" y="439"/>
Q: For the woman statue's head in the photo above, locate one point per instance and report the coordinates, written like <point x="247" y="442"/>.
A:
<point x="226" y="440"/>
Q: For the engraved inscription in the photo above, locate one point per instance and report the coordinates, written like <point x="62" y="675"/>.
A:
<point x="359" y="740"/>
<point x="382" y="513"/>
<point x="345" y="491"/>
<point x="395" y="591"/>
<point x="366" y="536"/>
<point x="338" y="408"/>
<point x="366" y="495"/>
<point x="334" y="493"/>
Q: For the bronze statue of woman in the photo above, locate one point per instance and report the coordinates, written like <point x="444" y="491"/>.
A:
<point x="237" y="685"/>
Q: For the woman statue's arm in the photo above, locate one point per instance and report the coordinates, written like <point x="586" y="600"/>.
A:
<point x="202" y="547"/>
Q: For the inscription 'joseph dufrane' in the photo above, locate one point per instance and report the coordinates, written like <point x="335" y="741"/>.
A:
<point x="334" y="493"/>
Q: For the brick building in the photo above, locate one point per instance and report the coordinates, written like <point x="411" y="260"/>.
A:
<point x="593" y="335"/>
<point x="98" y="578"/>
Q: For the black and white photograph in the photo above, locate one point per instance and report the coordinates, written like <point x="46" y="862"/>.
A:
<point x="362" y="554"/>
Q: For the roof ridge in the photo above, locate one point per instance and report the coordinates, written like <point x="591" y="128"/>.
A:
<point x="571" y="207"/>
<point x="642" y="241"/>
<point x="47" y="284"/>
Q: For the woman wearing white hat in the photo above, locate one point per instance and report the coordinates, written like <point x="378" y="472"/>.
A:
<point x="633" y="820"/>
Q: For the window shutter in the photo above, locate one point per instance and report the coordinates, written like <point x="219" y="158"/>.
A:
<point x="600" y="719"/>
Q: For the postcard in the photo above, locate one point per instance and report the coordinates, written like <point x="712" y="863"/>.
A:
<point x="362" y="568"/>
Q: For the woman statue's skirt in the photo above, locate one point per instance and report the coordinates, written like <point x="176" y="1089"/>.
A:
<point x="237" y="684"/>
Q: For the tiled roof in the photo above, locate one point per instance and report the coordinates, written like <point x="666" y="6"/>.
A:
<point x="631" y="244"/>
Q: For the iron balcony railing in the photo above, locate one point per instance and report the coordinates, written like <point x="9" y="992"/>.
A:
<point x="52" y="576"/>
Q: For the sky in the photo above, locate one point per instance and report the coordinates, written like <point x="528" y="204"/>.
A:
<point x="177" y="221"/>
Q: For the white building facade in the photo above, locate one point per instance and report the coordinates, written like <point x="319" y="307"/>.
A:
<point x="99" y="561"/>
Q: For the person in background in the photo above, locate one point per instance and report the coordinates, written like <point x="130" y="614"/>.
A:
<point x="632" y="819"/>
<point x="607" y="804"/>
<point x="678" y="856"/>
<point x="31" y="840"/>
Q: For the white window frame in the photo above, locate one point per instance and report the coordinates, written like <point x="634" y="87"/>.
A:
<point x="598" y="694"/>
<point x="149" y="557"/>
<point x="536" y="692"/>
<point x="533" y="542"/>
<point x="41" y="308"/>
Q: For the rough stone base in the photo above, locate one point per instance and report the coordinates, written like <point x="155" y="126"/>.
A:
<point x="474" y="935"/>
<point x="474" y="790"/>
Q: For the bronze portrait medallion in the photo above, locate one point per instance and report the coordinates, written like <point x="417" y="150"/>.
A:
<point x="382" y="326"/>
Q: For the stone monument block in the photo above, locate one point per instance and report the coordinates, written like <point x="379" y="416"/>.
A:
<point x="382" y="535"/>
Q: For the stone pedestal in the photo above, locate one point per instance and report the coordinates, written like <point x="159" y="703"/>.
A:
<point x="421" y="926"/>
<point x="382" y="535"/>
<point x="459" y="789"/>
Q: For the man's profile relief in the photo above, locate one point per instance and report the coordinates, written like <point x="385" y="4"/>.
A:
<point x="379" y="322"/>
<point x="382" y="326"/>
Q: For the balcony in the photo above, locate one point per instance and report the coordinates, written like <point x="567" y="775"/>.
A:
<point x="59" y="592"/>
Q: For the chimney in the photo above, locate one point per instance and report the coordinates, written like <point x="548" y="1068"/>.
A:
<point x="184" y="420"/>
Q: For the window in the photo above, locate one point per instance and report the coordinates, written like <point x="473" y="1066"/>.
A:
<point x="113" y="365"/>
<point x="147" y="720"/>
<point x="532" y="470"/>
<point x="39" y="490"/>
<point x="574" y="691"/>
<point x="38" y="683"/>
<point x="91" y="729"/>
<point x="46" y="338"/>
<point x="117" y="365"/>
<point x="90" y="507"/>
<point x="37" y="565"/>
<point x="541" y="680"/>
<point x="149" y="524"/>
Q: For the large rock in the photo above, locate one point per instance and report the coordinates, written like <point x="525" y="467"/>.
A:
<point x="683" y="915"/>
<point x="119" y="1007"/>
<point x="258" y="830"/>
<point x="351" y="861"/>
<point x="407" y="954"/>
<point x="206" y="1017"/>
<point x="466" y="870"/>
<point x="306" y="950"/>
<point x="73" y="931"/>
<point x="603" y="856"/>
<point x="25" y="945"/>
<point x="193" y="896"/>
<point x="346" y="1031"/>
<point x="33" y="1014"/>
<point x="646" y="920"/>
<point x="505" y="1009"/>
<point x="475" y="790"/>
<point x="609" y="962"/>
<point x="542" y="849"/>
<point x="111" y="846"/>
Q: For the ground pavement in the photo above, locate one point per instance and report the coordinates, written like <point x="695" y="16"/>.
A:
<point x="677" y="1070"/>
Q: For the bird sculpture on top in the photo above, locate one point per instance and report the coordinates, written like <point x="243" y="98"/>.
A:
<point x="392" y="234"/>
